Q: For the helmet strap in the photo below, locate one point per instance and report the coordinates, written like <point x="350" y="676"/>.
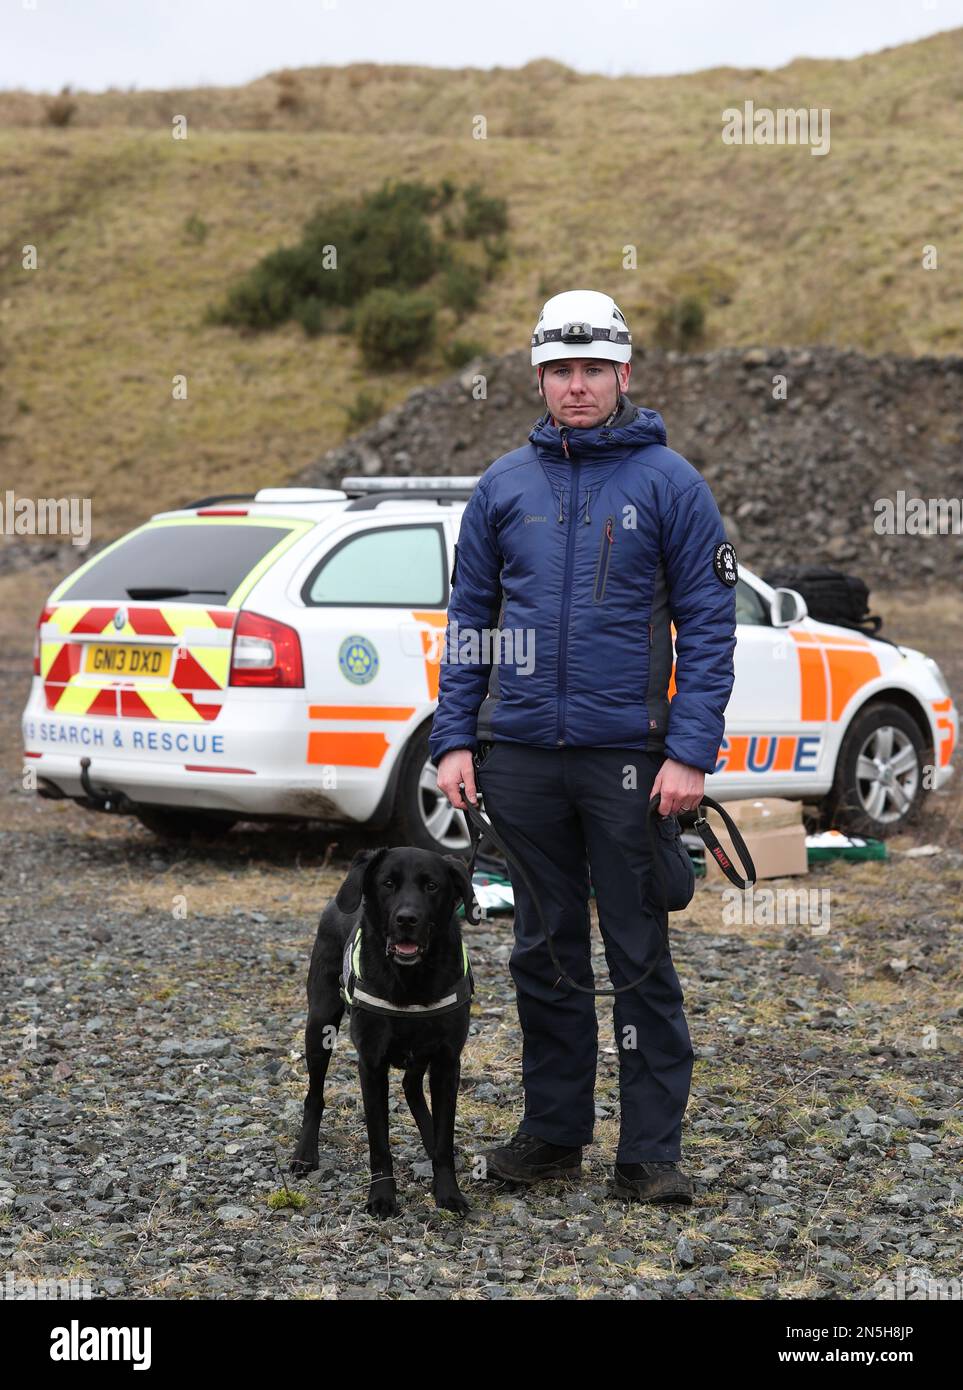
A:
<point x="618" y="394"/>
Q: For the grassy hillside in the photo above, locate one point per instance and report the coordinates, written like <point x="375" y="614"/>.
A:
<point x="782" y="246"/>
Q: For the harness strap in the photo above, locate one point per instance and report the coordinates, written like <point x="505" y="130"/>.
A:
<point x="358" y="998"/>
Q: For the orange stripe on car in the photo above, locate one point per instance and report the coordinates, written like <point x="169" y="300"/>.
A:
<point x="785" y="752"/>
<point x="360" y="711"/>
<point x="848" y="671"/>
<point x="737" y="752"/>
<point x="948" y="742"/>
<point x="347" y="749"/>
<point x="813" y="684"/>
<point x="432" y="643"/>
<point x="828" y="640"/>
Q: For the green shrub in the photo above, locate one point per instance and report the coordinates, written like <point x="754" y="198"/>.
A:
<point x="61" y="111"/>
<point x="195" y="228"/>
<point x="364" y="408"/>
<point x="483" y="215"/>
<point x="393" y="328"/>
<point x="461" y="351"/>
<point x="384" y="241"/>
<point x="682" y="324"/>
<point x="495" y="253"/>
<point x="347" y="251"/>
<point x="462" y="287"/>
<point x="309" y="314"/>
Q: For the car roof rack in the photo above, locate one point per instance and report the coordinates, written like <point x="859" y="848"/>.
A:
<point x="361" y="504"/>
<point x="280" y="496"/>
<point x="366" y="493"/>
<point x="213" y="501"/>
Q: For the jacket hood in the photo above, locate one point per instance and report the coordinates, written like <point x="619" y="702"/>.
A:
<point x="633" y="427"/>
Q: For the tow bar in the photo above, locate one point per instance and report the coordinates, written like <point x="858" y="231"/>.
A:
<point x="105" y="799"/>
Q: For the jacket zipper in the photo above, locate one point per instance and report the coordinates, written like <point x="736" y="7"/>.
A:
<point x="566" y="594"/>
<point x="605" y="551"/>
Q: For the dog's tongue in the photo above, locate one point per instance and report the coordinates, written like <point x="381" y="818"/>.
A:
<point x="406" y="948"/>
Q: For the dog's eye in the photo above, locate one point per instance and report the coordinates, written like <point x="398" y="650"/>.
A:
<point x="387" y="883"/>
<point x="431" y="886"/>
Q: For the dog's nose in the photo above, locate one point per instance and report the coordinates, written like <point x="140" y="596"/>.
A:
<point x="406" y="919"/>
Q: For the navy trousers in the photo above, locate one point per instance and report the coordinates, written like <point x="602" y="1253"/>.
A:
<point x="566" y="813"/>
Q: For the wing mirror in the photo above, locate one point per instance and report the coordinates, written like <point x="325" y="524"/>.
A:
<point x="787" y="606"/>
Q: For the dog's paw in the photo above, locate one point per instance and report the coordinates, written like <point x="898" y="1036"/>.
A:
<point x="382" y="1200"/>
<point x="303" y="1161"/>
<point x="449" y="1197"/>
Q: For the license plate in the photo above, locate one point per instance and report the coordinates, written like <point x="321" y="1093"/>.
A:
<point x="124" y="659"/>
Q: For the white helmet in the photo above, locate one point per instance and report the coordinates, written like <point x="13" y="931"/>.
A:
<point x="581" y="323"/>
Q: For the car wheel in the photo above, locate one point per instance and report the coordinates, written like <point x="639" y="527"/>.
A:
<point x="172" y="824"/>
<point x="423" y="816"/>
<point x="879" y="774"/>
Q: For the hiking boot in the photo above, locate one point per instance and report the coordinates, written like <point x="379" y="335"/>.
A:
<point x="652" y="1182"/>
<point x="526" y="1158"/>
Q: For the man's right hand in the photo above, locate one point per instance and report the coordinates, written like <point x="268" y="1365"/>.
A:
<point x="457" y="766"/>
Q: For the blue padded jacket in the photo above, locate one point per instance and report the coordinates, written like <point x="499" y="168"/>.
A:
<point x="574" y="554"/>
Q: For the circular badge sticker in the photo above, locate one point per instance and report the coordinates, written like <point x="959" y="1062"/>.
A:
<point x="358" y="659"/>
<point x="725" y="565"/>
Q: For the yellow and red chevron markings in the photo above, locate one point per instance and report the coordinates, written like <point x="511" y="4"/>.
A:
<point x="203" y="667"/>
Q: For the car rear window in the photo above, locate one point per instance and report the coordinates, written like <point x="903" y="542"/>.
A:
<point x="191" y="563"/>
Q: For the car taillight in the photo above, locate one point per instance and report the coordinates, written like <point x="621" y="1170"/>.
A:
<point x="44" y="616"/>
<point x="265" y="653"/>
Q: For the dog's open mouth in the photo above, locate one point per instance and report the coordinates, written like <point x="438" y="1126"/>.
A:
<point x="405" y="952"/>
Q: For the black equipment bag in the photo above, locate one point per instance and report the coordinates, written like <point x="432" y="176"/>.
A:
<point x="831" y="597"/>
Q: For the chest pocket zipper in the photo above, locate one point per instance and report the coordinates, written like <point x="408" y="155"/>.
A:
<point x="605" y="551"/>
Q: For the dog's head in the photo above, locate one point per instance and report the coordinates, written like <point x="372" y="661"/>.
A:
<point x="408" y="894"/>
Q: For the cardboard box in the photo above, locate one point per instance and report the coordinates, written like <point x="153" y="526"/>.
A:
<point x="774" y="832"/>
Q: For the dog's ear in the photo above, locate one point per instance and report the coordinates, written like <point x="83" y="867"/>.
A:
<point x="461" y="882"/>
<point x="349" y="895"/>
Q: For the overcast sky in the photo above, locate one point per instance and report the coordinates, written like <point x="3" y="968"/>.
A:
<point x="95" y="44"/>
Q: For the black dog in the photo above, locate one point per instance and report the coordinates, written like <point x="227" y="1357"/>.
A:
<point x="392" y="930"/>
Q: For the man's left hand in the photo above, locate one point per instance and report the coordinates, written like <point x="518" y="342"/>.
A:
<point x="682" y="787"/>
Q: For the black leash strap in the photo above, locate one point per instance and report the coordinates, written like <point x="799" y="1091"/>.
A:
<point x="478" y="827"/>
<point x="695" y="820"/>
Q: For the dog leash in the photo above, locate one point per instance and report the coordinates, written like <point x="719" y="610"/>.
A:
<point x="695" y="820"/>
<point x="478" y="826"/>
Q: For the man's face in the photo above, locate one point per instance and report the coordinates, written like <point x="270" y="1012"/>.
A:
<point x="582" y="391"/>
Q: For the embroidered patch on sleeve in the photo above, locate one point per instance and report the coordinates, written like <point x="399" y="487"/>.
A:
<point x="725" y="565"/>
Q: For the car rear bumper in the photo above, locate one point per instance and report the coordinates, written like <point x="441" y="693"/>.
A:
<point x="254" y="760"/>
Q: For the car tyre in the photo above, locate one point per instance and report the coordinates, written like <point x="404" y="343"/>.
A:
<point x="878" y="787"/>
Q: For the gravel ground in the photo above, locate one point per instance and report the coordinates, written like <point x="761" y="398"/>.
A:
<point x="151" y="1016"/>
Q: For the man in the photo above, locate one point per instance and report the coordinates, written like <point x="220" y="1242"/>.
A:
<point x="590" y="538"/>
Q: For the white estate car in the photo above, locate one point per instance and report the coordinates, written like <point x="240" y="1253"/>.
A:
<point x="278" y="656"/>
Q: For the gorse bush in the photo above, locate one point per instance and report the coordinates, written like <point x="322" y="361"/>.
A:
<point x="195" y="228"/>
<point x="461" y="351"/>
<point x="394" y="328"/>
<point x="363" y="409"/>
<point x="483" y="215"/>
<point x="357" y="266"/>
<point x="345" y="252"/>
<point x="61" y="110"/>
<point x="462" y="287"/>
<point x="682" y="324"/>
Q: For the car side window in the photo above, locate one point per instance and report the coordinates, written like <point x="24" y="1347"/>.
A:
<point x="750" y="607"/>
<point x="393" y="567"/>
